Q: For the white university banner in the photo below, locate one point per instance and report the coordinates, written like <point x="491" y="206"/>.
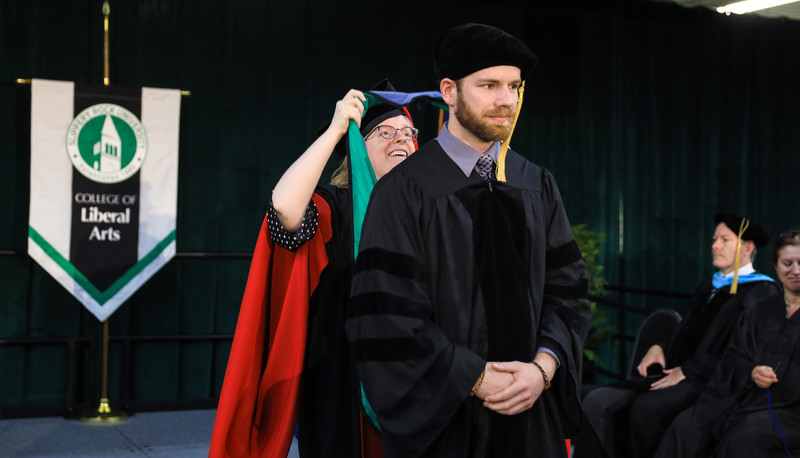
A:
<point x="104" y="187"/>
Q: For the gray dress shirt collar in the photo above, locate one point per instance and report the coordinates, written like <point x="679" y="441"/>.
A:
<point x="461" y="153"/>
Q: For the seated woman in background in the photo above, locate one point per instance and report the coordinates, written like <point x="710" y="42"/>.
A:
<point x="752" y="406"/>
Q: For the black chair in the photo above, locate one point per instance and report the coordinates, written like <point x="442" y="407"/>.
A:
<point x="659" y="326"/>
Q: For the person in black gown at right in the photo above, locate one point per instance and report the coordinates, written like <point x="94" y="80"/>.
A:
<point x="751" y="407"/>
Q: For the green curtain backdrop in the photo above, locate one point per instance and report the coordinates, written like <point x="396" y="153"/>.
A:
<point x="652" y="117"/>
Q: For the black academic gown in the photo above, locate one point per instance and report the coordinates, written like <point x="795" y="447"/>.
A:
<point x="330" y="398"/>
<point x="697" y="348"/>
<point x="709" y="323"/>
<point x="732" y="417"/>
<point x="450" y="274"/>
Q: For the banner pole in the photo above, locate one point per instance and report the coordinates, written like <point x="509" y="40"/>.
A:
<point x="104" y="412"/>
<point x="106" y="65"/>
<point x="106" y="14"/>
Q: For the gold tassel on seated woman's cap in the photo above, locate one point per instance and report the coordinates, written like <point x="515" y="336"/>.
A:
<point x="501" y="157"/>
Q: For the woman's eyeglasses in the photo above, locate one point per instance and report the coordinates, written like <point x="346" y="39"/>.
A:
<point x="389" y="132"/>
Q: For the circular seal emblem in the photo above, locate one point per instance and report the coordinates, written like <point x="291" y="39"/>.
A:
<point x="106" y="143"/>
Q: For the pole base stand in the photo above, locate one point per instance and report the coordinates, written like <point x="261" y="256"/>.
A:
<point x="104" y="414"/>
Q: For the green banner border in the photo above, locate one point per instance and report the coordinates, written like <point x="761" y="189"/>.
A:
<point x="100" y="296"/>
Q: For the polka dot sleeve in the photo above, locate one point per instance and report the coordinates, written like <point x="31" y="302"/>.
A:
<point x="293" y="241"/>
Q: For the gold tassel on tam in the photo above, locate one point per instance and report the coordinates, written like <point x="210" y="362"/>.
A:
<point x="742" y="227"/>
<point x="501" y="157"/>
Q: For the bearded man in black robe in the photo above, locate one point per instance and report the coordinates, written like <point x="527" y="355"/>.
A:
<point x="469" y="295"/>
